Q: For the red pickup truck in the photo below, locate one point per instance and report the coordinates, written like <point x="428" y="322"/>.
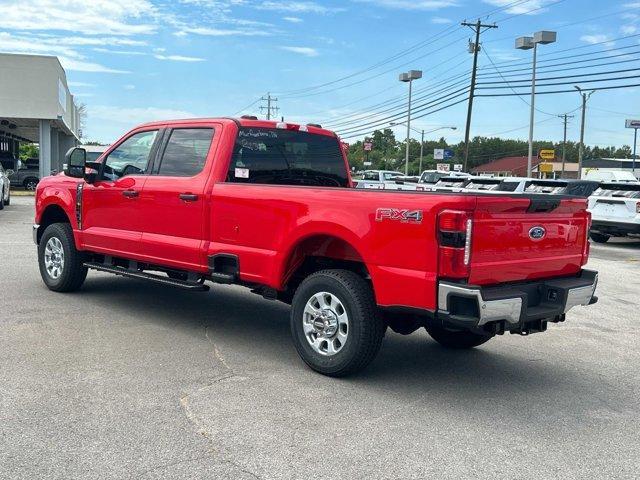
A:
<point x="271" y="206"/>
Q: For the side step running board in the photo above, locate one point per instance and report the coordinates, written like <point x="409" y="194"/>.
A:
<point x="193" y="286"/>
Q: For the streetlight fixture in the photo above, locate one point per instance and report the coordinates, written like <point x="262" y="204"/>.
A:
<point x="526" y="43"/>
<point x="422" y="132"/>
<point x="409" y="77"/>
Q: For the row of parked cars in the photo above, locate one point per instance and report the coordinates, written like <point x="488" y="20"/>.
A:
<point x="614" y="197"/>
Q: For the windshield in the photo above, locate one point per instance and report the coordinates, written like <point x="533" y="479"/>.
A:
<point x="431" y="177"/>
<point x="371" y="176"/>
<point x="287" y="157"/>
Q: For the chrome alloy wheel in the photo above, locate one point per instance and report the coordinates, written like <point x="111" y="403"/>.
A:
<point x="54" y="257"/>
<point x="325" y="323"/>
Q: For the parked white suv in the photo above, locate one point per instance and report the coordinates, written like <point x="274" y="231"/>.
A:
<point x="615" y="211"/>
<point x="378" y="179"/>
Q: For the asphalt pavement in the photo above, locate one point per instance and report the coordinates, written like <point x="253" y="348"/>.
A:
<point x="125" y="379"/>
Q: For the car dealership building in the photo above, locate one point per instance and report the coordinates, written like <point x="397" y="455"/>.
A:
<point x="37" y="107"/>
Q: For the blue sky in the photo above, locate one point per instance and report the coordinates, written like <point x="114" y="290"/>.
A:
<point x="132" y="61"/>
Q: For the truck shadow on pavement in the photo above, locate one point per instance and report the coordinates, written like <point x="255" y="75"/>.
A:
<point x="253" y="336"/>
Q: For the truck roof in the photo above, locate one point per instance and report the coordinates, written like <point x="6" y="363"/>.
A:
<point x="245" y="122"/>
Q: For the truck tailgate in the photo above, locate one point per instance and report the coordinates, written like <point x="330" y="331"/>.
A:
<point x="527" y="237"/>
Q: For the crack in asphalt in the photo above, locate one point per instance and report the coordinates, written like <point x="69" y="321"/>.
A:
<point x="196" y="421"/>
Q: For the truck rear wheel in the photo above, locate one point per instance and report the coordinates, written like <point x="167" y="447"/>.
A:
<point x="599" y="237"/>
<point x="457" y="340"/>
<point x="335" y="323"/>
<point x="61" y="264"/>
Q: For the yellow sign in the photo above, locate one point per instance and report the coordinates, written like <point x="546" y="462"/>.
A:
<point x="545" y="167"/>
<point x="547" y="154"/>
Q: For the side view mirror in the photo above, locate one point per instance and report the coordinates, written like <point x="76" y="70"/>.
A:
<point x="76" y="160"/>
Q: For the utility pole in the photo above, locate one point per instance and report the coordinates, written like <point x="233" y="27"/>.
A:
<point x="422" y="152"/>
<point x="585" y="97"/>
<point x="271" y="110"/>
<point x="564" y="142"/>
<point x="473" y="48"/>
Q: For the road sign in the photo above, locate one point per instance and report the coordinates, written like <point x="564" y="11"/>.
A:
<point x="632" y="124"/>
<point x="367" y="164"/>
<point x="457" y="167"/>
<point x="442" y="153"/>
<point x="547" y="154"/>
<point x="545" y="167"/>
<point x="443" y="167"/>
<point x="368" y="146"/>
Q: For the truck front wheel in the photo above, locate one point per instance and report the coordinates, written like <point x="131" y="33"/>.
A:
<point x="457" y="340"/>
<point x="336" y="326"/>
<point x="61" y="264"/>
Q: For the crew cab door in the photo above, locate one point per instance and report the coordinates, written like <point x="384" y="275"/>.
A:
<point x="172" y="204"/>
<point x="111" y="220"/>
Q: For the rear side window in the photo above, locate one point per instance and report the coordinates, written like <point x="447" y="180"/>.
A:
<point x="286" y="157"/>
<point x="186" y="152"/>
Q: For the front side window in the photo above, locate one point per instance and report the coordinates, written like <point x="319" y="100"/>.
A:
<point x="131" y="157"/>
<point x="286" y="157"/>
<point x="186" y="152"/>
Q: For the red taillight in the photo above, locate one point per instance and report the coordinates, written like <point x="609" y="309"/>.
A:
<point x="454" y="237"/>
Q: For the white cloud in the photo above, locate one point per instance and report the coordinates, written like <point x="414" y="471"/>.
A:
<point x="598" y="38"/>
<point x="129" y="87"/>
<point x="413" y="4"/>
<point x="293" y="19"/>
<point x="220" y="32"/>
<point x="119" y="52"/>
<point x="628" y="29"/>
<point x="81" y="84"/>
<point x="69" y="57"/>
<point x="179" y="58"/>
<point x="95" y="17"/>
<point x="531" y="7"/>
<point x="134" y="116"/>
<point x="441" y="20"/>
<point x="296" y="7"/>
<point x="306" y="51"/>
<point x="82" y="66"/>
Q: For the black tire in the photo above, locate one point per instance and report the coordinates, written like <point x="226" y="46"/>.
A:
<point x="457" y="340"/>
<point x="73" y="272"/>
<point x="30" y="184"/>
<point x="2" y="204"/>
<point x="365" y="324"/>
<point x="599" y="237"/>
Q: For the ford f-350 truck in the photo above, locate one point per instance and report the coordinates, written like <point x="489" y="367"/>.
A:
<point x="270" y="206"/>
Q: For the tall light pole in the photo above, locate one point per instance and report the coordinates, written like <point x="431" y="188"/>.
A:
<point x="526" y="43"/>
<point x="585" y="96"/>
<point x="409" y="77"/>
<point x="422" y="132"/>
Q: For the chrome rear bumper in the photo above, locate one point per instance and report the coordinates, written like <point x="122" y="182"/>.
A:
<point x="514" y="305"/>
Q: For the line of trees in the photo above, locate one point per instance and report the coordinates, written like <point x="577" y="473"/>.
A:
<point x="389" y="153"/>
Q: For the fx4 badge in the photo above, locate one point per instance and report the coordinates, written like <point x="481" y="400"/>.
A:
<point x="399" y="215"/>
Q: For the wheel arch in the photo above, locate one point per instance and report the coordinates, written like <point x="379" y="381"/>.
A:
<point x="52" y="213"/>
<point x="318" y="250"/>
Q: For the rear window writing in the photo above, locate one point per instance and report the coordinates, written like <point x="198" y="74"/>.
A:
<point x="286" y="157"/>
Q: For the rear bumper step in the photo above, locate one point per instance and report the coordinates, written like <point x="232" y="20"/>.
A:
<point x="518" y="308"/>
<point x="185" y="285"/>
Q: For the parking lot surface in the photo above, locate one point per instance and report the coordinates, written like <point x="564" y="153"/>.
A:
<point x="130" y="380"/>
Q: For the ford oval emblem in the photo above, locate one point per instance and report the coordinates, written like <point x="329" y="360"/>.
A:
<point x="537" y="233"/>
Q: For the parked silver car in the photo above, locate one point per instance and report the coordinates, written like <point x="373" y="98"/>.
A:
<point x="5" y="187"/>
